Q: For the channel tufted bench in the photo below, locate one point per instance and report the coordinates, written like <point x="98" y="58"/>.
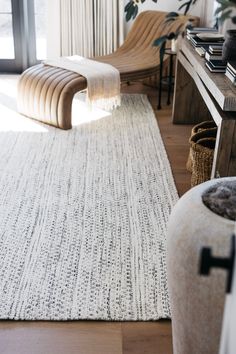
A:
<point x="46" y="93"/>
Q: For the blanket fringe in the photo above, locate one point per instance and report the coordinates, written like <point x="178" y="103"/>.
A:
<point x="108" y="104"/>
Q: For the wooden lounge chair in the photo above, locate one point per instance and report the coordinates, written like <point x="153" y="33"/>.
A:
<point x="45" y="93"/>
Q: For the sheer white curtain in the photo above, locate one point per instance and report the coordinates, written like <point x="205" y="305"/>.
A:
<point x="108" y="25"/>
<point x="90" y="27"/>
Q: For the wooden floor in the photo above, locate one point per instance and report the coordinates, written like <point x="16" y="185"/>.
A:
<point x="101" y="337"/>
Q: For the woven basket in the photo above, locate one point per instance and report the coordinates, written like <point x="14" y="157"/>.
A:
<point x="207" y="125"/>
<point x="202" y="147"/>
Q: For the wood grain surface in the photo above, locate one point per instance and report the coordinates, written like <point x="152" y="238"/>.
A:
<point x="218" y="84"/>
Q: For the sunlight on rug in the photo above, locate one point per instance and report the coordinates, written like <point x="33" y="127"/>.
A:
<point x="83" y="216"/>
<point x="82" y="113"/>
<point x="10" y="120"/>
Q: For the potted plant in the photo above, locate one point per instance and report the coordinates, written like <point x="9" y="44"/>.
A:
<point x="132" y="9"/>
<point x="223" y="12"/>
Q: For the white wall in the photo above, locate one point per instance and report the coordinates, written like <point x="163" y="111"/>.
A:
<point x="204" y="9"/>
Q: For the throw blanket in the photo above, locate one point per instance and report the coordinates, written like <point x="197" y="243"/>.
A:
<point x="103" y="80"/>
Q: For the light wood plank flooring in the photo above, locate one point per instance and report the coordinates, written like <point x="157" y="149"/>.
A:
<point x="101" y="337"/>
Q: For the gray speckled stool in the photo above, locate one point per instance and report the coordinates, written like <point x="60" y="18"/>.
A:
<point x="197" y="302"/>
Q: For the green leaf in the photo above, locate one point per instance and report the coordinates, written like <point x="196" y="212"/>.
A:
<point x="187" y="5"/>
<point x="169" y="20"/>
<point x="173" y="35"/>
<point x="172" y="14"/>
<point x="131" y="10"/>
<point x="225" y="15"/>
<point x="129" y="13"/>
<point x="128" y="5"/>
<point x="135" y="12"/>
<point x="159" y="41"/>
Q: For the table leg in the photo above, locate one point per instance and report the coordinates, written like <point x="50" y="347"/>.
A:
<point x="188" y="106"/>
<point x="160" y="85"/>
<point x="225" y="151"/>
<point x="170" y="79"/>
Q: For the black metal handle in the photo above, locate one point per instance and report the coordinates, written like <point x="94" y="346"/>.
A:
<point x="207" y="261"/>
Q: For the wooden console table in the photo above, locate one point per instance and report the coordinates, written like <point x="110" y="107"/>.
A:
<point x="201" y="95"/>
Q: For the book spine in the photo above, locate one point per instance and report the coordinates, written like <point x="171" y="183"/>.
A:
<point x="209" y="57"/>
<point x="200" y="51"/>
<point x="230" y="77"/>
<point x="231" y="68"/>
<point x="214" y="70"/>
<point x="231" y="72"/>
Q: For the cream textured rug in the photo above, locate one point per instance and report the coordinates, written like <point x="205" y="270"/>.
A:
<point x="83" y="217"/>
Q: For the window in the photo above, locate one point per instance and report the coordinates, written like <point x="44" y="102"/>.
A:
<point x="6" y="30"/>
<point x="22" y="34"/>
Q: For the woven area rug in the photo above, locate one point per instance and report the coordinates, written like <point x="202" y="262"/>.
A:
<point x="83" y="216"/>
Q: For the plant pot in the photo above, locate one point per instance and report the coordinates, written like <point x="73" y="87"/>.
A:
<point x="174" y="45"/>
<point x="229" y="46"/>
<point x="197" y="302"/>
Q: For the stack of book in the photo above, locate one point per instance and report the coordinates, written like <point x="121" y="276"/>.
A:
<point x="202" y="45"/>
<point x="216" y="66"/>
<point x="214" y="60"/>
<point x="192" y="36"/>
<point x="208" y="43"/>
<point x="193" y="31"/>
<point x="214" y="52"/>
<point x="231" y="71"/>
<point x="198" y="42"/>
